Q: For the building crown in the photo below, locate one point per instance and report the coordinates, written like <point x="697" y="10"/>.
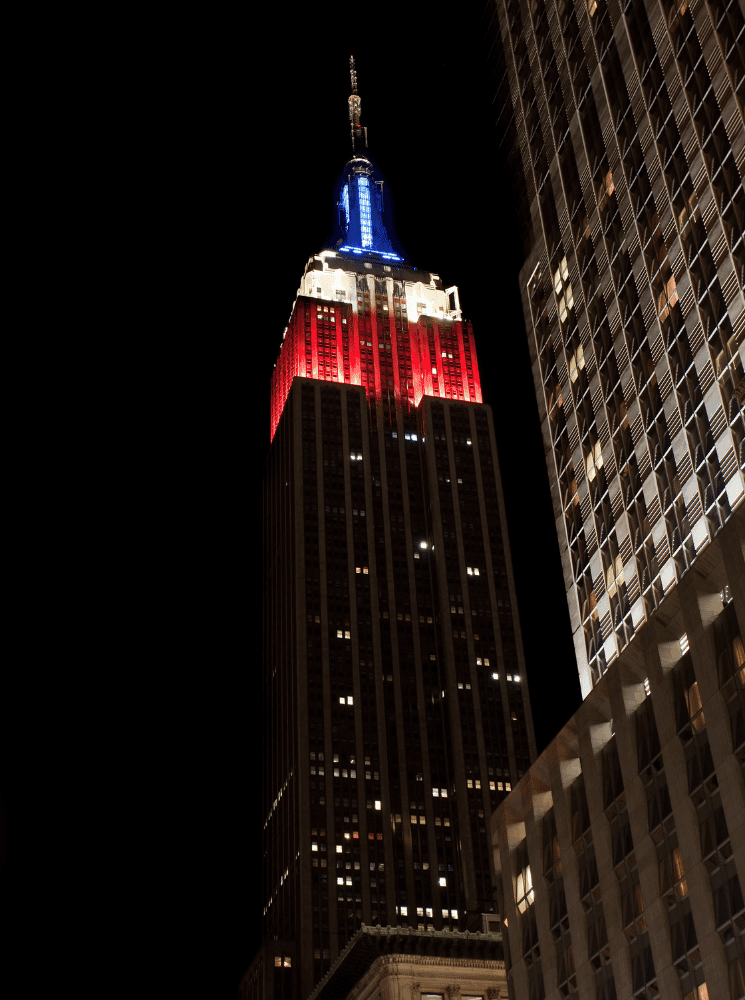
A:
<point x="361" y="203"/>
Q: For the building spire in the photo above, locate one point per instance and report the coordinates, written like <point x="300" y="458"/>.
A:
<point x="359" y="141"/>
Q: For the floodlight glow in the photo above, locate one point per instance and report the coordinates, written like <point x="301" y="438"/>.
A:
<point x="379" y="253"/>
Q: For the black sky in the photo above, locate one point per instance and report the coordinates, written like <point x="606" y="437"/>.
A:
<point x="271" y="140"/>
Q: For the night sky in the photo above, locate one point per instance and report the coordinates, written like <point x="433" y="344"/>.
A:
<point x="269" y="141"/>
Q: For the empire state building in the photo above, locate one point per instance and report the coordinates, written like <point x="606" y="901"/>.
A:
<point x="396" y="706"/>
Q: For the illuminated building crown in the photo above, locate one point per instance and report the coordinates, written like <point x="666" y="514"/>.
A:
<point x="361" y="202"/>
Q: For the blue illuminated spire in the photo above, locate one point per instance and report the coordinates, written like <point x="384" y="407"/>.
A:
<point x="361" y="202"/>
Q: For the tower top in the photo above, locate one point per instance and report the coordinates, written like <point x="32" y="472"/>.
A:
<point x="359" y="134"/>
<point x="361" y="203"/>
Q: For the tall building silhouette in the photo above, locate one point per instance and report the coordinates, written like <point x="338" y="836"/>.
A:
<point x="620" y="857"/>
<point x="395" y="696"/>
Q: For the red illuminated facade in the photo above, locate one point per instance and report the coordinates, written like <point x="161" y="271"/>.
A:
<point x="374" y="341"/>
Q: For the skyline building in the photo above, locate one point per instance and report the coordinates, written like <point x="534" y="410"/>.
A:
<point x="620" y="856"/>
<point x="395" y="696"/>
<point x="628" y="149"/>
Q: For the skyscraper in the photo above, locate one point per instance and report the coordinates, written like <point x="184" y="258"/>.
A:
<point x="619" y="859"/>
<point x="395" y="692"/>
<point x="629" y="149"/>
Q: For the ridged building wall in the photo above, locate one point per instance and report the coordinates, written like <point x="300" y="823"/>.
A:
<point x="628" y="121"/>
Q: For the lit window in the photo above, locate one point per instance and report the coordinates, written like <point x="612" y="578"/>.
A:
<point x="524" y="890"/>
<point x="338" y="848"/>
<point x="566" y="302"/>
<point x="647" y="692"/>
<point x="672" y="874"/>
<point x="702" y="992"/>
<point x="695" y="707"/>
<point x="378" y="804"/>
<point x="606" y="190"/>
<point x="576" y="363"/>
<point x="684" y="643"/>
<point x="404" y="911"/>
<point x="443" y="881"/>
<point x="667" y="299"/>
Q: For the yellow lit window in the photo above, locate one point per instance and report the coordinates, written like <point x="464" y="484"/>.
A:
<point x="695" y="707"/>
<point x="576" y="362"/>
<point x="606" y="190"/>
<point x="524" y="889"/>
<point x="667" y="299"/>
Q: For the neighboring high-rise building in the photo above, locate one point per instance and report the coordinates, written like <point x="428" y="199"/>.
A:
<point x="620" y="855"/>
<point x="628" y="122"/>
<point x="395" y="695"/>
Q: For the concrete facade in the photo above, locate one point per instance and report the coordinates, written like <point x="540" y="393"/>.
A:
<point x="620" y="856"/>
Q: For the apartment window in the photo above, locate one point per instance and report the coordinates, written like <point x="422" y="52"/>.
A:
<point x="688" y="705"/>
<point x="615" y="577"/>
<point x="672" y="875"/>
<point x="524" y="888"/>
<point x="667" y="299"/>
<point x="576" y="363"/>
<point x="563" y="290"/>
<point x="606" y="189"/>
<point x="594" y="460"/>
